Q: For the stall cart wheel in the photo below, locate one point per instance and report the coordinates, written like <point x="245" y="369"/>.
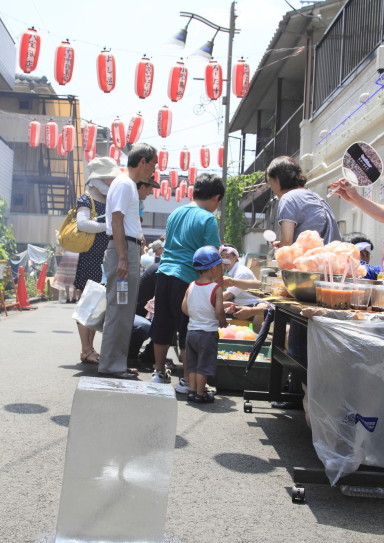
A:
<point x="298" y="494"/>
<point x="247" y="407"/>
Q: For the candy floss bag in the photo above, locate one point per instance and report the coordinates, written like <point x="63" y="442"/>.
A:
<point x="346" y="393"/>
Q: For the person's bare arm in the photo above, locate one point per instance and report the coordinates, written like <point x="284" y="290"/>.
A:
<point x="120" y="244"/>
<point x="287" y="230"/>
<point x="219" y="308"/>
<point x="184" y="304"/>
<point x="244" y="284"/>
<point x="348" y="192"/>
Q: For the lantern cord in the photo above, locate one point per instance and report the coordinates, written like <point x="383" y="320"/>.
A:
<point x="381" y="87"/>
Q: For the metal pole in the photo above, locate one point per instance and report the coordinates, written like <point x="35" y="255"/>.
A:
<point x="227" y="104"/>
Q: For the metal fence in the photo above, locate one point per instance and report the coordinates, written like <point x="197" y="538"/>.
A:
<point x="356" y="32"/>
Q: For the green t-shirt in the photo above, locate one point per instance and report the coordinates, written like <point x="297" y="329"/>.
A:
<point x="188" y="228"/>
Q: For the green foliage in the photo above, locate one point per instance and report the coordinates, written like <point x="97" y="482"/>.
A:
<point x="235" y="221"/>
<point x="7" y="238"/>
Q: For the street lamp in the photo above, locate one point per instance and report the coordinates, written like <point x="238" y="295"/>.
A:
<point x="206" y="51"/>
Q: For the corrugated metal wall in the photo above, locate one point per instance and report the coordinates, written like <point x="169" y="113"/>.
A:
<point x="7" y="59"/>
<point x="6" y="161"/>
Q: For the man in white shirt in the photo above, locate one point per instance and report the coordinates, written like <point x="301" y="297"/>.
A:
<point x="122" y="257"/>
<point x="247" y="306"/>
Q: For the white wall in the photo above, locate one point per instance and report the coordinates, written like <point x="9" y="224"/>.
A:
<point x="322" y="161"/>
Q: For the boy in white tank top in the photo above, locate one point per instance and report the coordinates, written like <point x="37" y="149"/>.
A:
<point x="203" y="303"/>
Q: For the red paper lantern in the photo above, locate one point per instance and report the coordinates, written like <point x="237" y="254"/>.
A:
<point x="213" y="80"/>
<point x="183" y="188"/>
<point x="190" y="192"/>
<point x="168" y="195"/>
<point x="64" y="60"/>
<point x="118" y="133"/>
<point x="29" y="50"/>
<point x="220" y="156"/>
<point x="69" y="135"/>
<point x="156" y="176"/>
<point x="240" y="78"/>
<point x="162" y="160"/>
<point x="106" y="71"/>
<point x="164" y="187"/>
<point x="114" y="152"/>
<point x="89" y="134"/>
<point x="205" y="156"/>
<point x="173" y="178"/>
<point x="185" y="157"/>
<point x="178" y="194"/>
<point x="144" y="78"/>
<point x="135" y="128"/>
<point x="34" y="133"/>
<point x="60" y="149"/>
<point x="177" y="81"/>
<point x="156" y="193"/>
<point x="51" y="135"/>
<point x="192" y="175"/>
<point x="90" y="155"/>
<point x="164" y="122"/>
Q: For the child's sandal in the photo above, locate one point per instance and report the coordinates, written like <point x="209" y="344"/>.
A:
<point x="191" y="396"/>
<point x="207" y="397"/>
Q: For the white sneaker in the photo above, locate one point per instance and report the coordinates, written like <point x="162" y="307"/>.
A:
<point x="182" y="387"/>
<point x="160" y="377"/>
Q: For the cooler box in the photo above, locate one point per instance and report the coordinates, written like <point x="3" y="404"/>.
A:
<point x="230" y="372"/>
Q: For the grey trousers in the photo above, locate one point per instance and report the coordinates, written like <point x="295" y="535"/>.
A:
<point x="119" y="318"/>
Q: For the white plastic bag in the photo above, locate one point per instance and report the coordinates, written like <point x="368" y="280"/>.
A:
<point x="90" y="309"/>
<point x="346" y="393"/>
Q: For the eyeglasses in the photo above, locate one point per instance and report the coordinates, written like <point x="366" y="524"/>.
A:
<point x="154" y="164"/>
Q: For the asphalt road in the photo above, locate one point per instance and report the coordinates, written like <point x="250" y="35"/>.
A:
<point x="232" y="471"/>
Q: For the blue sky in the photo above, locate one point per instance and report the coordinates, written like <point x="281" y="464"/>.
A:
<point x="132" y="29"/>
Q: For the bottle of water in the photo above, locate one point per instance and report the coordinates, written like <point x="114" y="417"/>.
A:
<point x="122" y="291"/>
<point x="362" y="492"/>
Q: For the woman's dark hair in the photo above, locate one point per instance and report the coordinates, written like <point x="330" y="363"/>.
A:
<point x="357" y="237"/>
<point x="287" y="171"/>
<point x="208" y="185"/>
<point x="139" y="151"/>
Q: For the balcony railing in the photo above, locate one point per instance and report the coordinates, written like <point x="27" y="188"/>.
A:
<point x="286" y="142"/>
<point x="355" y="33"/>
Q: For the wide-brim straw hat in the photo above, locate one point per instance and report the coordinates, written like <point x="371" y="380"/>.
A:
<point x="103" y="167"/>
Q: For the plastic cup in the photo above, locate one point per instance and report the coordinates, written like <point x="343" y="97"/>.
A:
<point x="360" y="297"/>
<point x="341" y="295"/>
<point x="325" y="293"/>
<point x="377" y="298"/>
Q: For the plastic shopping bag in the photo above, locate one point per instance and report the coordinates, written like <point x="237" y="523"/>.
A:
<point x="346" y="393"/>
<point x="90" y="309"/>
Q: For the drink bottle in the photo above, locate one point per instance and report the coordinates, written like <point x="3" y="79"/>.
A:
<point x="122" y="291"/>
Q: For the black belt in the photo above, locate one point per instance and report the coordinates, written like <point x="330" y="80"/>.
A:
<point x="129" y="238"/>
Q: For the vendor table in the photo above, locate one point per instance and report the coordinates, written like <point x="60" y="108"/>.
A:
<point x="285" y="313"/>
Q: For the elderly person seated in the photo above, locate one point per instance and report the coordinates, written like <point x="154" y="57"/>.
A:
<point x="244" y="304"/>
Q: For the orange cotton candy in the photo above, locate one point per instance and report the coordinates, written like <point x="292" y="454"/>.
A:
<point x="286" y="255"/>
<point x="309" y="239"/>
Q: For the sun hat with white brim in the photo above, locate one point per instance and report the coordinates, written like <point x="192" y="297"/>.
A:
<point x="103" y="167"/>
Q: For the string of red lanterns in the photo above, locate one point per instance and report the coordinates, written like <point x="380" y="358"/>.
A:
<point x="106" y="70"/>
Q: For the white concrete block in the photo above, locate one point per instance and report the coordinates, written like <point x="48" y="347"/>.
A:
<point x="118" y="462"/>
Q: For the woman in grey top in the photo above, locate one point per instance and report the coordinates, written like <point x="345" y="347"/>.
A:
<point x="299" y="208"/>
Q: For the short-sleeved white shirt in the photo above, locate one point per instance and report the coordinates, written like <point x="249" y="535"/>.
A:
<point x="242" y="297"/>
<point x="123" y="196"/>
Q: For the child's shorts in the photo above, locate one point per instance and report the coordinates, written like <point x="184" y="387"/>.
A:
<point x="201" y="352"/>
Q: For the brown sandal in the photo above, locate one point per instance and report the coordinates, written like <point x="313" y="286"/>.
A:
<point x="91" y="357"/>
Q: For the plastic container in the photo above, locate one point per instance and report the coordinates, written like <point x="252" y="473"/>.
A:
<point x="122" y="291"/>
<point x="360" y="297"/>
<point x="377" y="298"/>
